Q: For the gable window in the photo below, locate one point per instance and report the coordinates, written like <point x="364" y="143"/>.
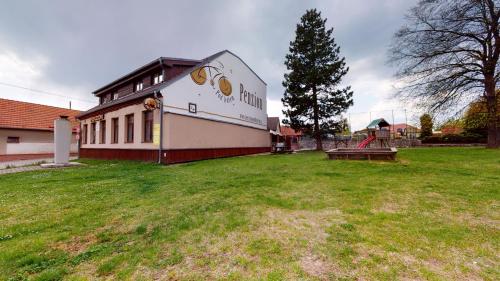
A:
<point x="92" y="132"/>
<point x="84" y="134"/>
<point x="102" y="128"/>
<point x="138" y="86"/>
<point x="12" y="139"/>
<point x="129" y="125"/>
<point x="114" y="133"/>
<point x="157" y="78"/>
<point x="147" y="119"/>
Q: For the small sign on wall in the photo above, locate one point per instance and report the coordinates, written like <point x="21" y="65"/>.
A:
<point x="97" y="118"/>
<point x="192" y="107"/>
<point x="156" y="134"/>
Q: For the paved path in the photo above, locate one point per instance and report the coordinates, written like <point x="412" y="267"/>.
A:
<point x="27" y="162"/>
<point x="19" y="157"/>
<point x="19" y="169"/>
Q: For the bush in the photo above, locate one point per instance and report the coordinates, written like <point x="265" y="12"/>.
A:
<point x="462" y="138"/>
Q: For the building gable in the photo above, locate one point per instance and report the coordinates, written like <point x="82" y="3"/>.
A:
<point x="221" y="88"/>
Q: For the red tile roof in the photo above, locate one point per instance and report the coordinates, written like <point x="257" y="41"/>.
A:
<point x="403" y="126"/>
<point x="287" y="131"/>
<point x="25" y="115"/>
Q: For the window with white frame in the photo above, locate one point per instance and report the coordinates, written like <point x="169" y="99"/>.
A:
<point x="138" y="86"/>
<point x="157" y="78"/>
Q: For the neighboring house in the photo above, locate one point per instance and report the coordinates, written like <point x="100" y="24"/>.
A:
<point x="215" y="107"/>
<point x="451" y="130"/>
<point x="274" y="127"/>
<point x="402" y="129"/>
<point x="28" y="128"/>
<point x="291" y="136"/>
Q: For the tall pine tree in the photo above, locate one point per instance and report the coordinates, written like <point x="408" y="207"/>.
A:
<point x="313" y="102"/>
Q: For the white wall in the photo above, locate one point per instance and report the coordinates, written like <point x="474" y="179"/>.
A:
<point x="30" y="142"/>
<point x="211" y="102"/>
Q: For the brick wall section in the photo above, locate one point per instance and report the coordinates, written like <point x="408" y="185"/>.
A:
<point x="24" y="115"/>
<point x="171" y="71"/>
<point x="172" y="156"/>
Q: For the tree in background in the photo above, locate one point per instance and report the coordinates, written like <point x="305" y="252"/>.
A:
<point x="312" y="101"/>
<point x="448" y="52"/>
<point x="476" y="116"/>
<point x="425" y="125"/>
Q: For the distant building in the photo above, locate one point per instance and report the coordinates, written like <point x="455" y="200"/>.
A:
<point x="215" y="107"/>
<point x="274" y="127"/>
<point x="451" y="130"/>
<point x="402" y="129"/>
<point x="283" y="135"/>
<point x="291" y="137"/>
<point x="28" y="128"/>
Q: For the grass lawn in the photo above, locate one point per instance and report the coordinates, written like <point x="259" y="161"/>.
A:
<point x="432" y="215"/>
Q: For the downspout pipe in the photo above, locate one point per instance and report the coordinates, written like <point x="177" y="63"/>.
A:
<point x="160" y="98"/>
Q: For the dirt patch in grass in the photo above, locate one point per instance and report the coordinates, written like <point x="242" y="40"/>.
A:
<point x="389" y="207"/>
<point x="457" y="265"/>
<point x="77" y="245"/>
<point x="277" y="239"/>
<point x="299" y="224"/>
<point x="318" y="267"/>
<point x="473" y="220"/>
<point x="391" y="203"/>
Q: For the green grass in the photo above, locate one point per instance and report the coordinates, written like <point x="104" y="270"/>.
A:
<point x="431" y="215"/>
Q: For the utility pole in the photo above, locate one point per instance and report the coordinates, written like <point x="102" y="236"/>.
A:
<point x="69" y="104"/>
<point x="393" y="129"/>
<point x="406" y="124"/>
<point x="350" y="127"/>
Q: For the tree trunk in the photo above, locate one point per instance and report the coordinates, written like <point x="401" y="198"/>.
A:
<point x="493" y="134"/>
<point x="317" y="133"/>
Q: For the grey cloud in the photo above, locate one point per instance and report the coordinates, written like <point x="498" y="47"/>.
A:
<point x="89" y="43"/>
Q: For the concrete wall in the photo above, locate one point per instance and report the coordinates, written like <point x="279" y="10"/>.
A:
<point x="138" y="143"/>
<point x="30" y="142"/>
<point x="184" y="132"/>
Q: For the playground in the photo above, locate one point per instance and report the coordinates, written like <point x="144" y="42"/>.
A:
<point x="375" y="146"/>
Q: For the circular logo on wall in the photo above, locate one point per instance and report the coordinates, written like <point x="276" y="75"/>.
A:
<point x="213" y="73"/>
<point x="199" y="76"/>
<point x="225" y="86"/>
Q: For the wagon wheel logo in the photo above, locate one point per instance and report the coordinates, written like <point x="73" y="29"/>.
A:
<point x="200" y="76"/>
<point x="225" y="86"/>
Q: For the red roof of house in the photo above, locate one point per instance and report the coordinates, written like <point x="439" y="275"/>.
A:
<point x="402" y="126"/>
<point x="287" y="131"/>
<point x="25" y="115"/>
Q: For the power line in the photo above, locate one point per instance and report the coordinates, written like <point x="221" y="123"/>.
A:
<point x="44" y="92"/>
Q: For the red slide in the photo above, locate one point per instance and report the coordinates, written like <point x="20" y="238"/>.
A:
<point x="366" y="141"/>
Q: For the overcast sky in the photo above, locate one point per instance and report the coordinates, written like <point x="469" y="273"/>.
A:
<point x="70" y="48"/>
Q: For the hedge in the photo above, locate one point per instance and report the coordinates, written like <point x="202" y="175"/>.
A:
<point x="462" y="138"/>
